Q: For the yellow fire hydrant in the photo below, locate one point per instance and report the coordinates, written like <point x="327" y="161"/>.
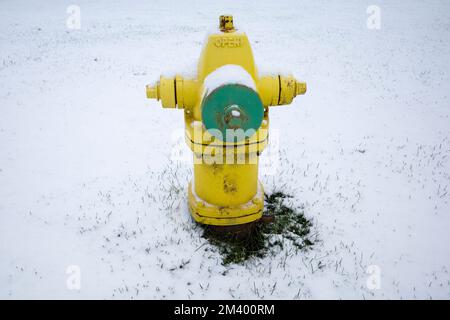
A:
<point x="226" y="125"/>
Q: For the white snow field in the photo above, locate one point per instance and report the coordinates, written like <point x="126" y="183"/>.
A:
<point x="93" y="204"/>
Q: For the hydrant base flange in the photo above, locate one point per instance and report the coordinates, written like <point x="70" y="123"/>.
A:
<point x="207" y="213"/>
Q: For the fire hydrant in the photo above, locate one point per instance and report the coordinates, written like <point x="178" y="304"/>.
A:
<point x="226" y="125"/>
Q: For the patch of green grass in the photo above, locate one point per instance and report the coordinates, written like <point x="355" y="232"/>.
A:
<point x="289" y="225"/>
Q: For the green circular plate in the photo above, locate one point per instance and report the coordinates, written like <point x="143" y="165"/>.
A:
<point x="232" y="106"/>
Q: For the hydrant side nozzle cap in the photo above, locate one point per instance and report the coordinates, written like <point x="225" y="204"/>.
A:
<point x="300" y="88"/>
<point x="152" y="91"/>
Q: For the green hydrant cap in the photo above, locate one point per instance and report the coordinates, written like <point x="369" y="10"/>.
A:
<point x="232" y="106"/>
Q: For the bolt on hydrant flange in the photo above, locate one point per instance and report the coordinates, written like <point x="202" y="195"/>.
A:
<point x="226" y="125"/>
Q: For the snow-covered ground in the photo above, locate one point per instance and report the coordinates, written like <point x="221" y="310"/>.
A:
<point x="88" y="188"/>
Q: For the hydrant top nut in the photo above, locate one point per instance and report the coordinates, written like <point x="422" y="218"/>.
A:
<point x="226" y="23"/>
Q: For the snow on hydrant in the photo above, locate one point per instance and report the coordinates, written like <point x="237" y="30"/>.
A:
<point x="226" y="114"/>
